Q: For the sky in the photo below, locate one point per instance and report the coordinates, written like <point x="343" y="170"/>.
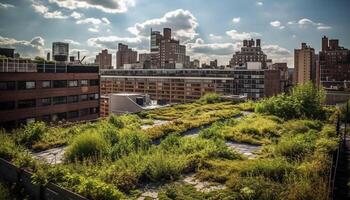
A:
<point x="211" y="29"/>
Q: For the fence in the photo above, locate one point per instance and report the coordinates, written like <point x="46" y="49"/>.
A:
<point x="22" y="178"/>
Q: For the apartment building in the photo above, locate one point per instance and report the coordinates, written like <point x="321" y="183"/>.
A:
<point x="125" y="55"/>
<point x="104" y="60"/>
<point x="304" y="65"/>
<point x="47" y="92"/>
<point x="188" y="85"/>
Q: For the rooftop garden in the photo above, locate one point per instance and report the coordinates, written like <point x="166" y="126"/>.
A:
<point x="121" y="157"/>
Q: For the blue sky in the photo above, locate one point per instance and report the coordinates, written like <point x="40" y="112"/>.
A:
<point x="210" y="28"/>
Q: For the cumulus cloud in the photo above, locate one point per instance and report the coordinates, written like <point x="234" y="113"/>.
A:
<point x="259" y="3"/>
<point x="215" y="37"/>
<point x="31" y="48"/>
<point x="182" y="23"/>
<point x="44" y="11"/>
<point x="278" y="53"/>
<point x="305" y="22"/>
<point x="200" y="47"/>
<point x="6" y="5"/>
<point x="106" y="21"/>
<point x="235" y="35"/>
<point x="94" y="30"/>
<point x="90" y="20"/>
<point x="111" y="42"/>
<point x="277" y="24"/>
<point x="76" y="15"/>
<point x="108" y="6"/>
<point x="236" y="20"/>
<point x="73" y="42"/>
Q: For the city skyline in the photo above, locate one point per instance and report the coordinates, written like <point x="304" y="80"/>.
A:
<point x="90" y="26"/>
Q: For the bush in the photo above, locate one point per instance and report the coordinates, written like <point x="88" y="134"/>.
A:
<point x="116" y="121"/>
<point x="209" y="98"/>
<point x="87" y="145"/>
<point x="32" y="133"/>
<point x="304" y="101"/>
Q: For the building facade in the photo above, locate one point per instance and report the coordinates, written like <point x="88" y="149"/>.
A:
<point x="250" y="52"/>
<point x="125" y="55"/>
<point x="104" y="60"/>
<point x="188" y="85"/>
<point x="304" y="65"/>
<point x="334" y="64"/>
<point x="60" y="51"/>
<point x="47" y="92"/>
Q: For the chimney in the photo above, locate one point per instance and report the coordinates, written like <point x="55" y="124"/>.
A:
<point x="78" y="55"/>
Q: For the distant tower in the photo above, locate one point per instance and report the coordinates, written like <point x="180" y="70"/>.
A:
<point x="258" y="42"/>
<point x="48" y="56"/>
<point x="324" y="43"/>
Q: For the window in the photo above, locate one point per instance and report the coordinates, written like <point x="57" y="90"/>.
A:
<point x="83" y="97"/>
<point x="73" y="114"/>
<point x="83" y="82"/>
<point x="94" y="82"/>
<point x="26" y="85"/>
<point x="26" y="103"/>
<point x="92" y="97"/>
<point x="60" y="84"/>
<point x="7" y="85"/>
<point x="59" y="100"/>
<point x="7" y="105"/>
<point x="46" y="101"/>
<point x="93" y="110"/>
<point x="72" y="99"/>
<point x="46" y="84"/>
<point x="84" y="112"/>
<point x="73" y="83"/>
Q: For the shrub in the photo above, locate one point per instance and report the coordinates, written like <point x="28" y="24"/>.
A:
<point x="209" y="98"/>
<point x="32" y="133"/>
<point x="87" y="145"/>
<point x="116" y="121"/>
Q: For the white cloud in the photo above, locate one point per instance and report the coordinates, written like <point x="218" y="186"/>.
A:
<point x="236" y="20"/>
<point x="278" y="54"/>
<point x="76" y="15"/>
<point x="6" y="5"/>
<point x="111" y="42"/>
<point x="108" y="6"/>
<point x="275" y="23"/>
<point x="31" y="48"/>
<point x="44" y="11"/>
<point x="305" y="22"/>
<point x="105" y="20"/>
<point x="182" y="23"/>
<point x="235" y="35"/>
<point x="259" y="3"/>
<point x="94" y="30"/>
<point x="324" y="27"/>
<point x="91" y="20"/>
<point x="200" y="47"/>
<point x="215" y="37"/>
<point x="71" y="42"/>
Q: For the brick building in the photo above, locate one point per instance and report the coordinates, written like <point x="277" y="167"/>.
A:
<point x="104" y="60"/>
<point x="47" y="92"/>
<point x="125" y="55"/>
<point x="304" y="65"/>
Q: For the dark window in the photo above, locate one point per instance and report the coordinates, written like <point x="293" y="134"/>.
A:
<point x="73" y="83"/>
<point x="7" y="105"/>
<point x="73" y="99"/>
<point x="91" y="97"/>
<point x="46" y="101"/>
<point x="26" y="103"/>
<point x="94" y="82"/>
<point x="83" y="97"/>
<point x="46" y="84"/>
<point x="60" y="84"/>
<point x="84" y="112"/>
<point x="73" y="114"/>
<point x="59" y="100"/>
<point x="25" y="85"/>
<point x="84" y="83"/>
<point x="7" y="85"/>
<point x="93" y="110"/>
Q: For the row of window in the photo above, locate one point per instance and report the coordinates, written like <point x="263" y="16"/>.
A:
<point x="26" y="85"/>
<point x="30" y="103"/>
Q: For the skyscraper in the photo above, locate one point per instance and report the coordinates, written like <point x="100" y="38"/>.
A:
<point x="249" y="53"/>
<point x="304" y="65"/>
<point x="125" y="55"/>
<point x="60" y="51"/>
<point x="104" y="59"/>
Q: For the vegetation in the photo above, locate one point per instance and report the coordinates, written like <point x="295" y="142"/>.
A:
<point x="305" y="101"/>
<point x="114" y="157"/>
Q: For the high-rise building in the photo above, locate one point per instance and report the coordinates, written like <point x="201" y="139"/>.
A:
<point x="125" y="55"/>
<point x="304" y="65"/>
<point x="167" y="52"/>
<point x="249" y="53"/>
<point x="145" y="60"/>
<point x="334" y="64"/>
<point x="60" y="51"/>
<point x="104" y="60"/>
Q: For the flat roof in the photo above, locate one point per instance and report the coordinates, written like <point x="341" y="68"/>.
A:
<point x="171" y="77"/>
